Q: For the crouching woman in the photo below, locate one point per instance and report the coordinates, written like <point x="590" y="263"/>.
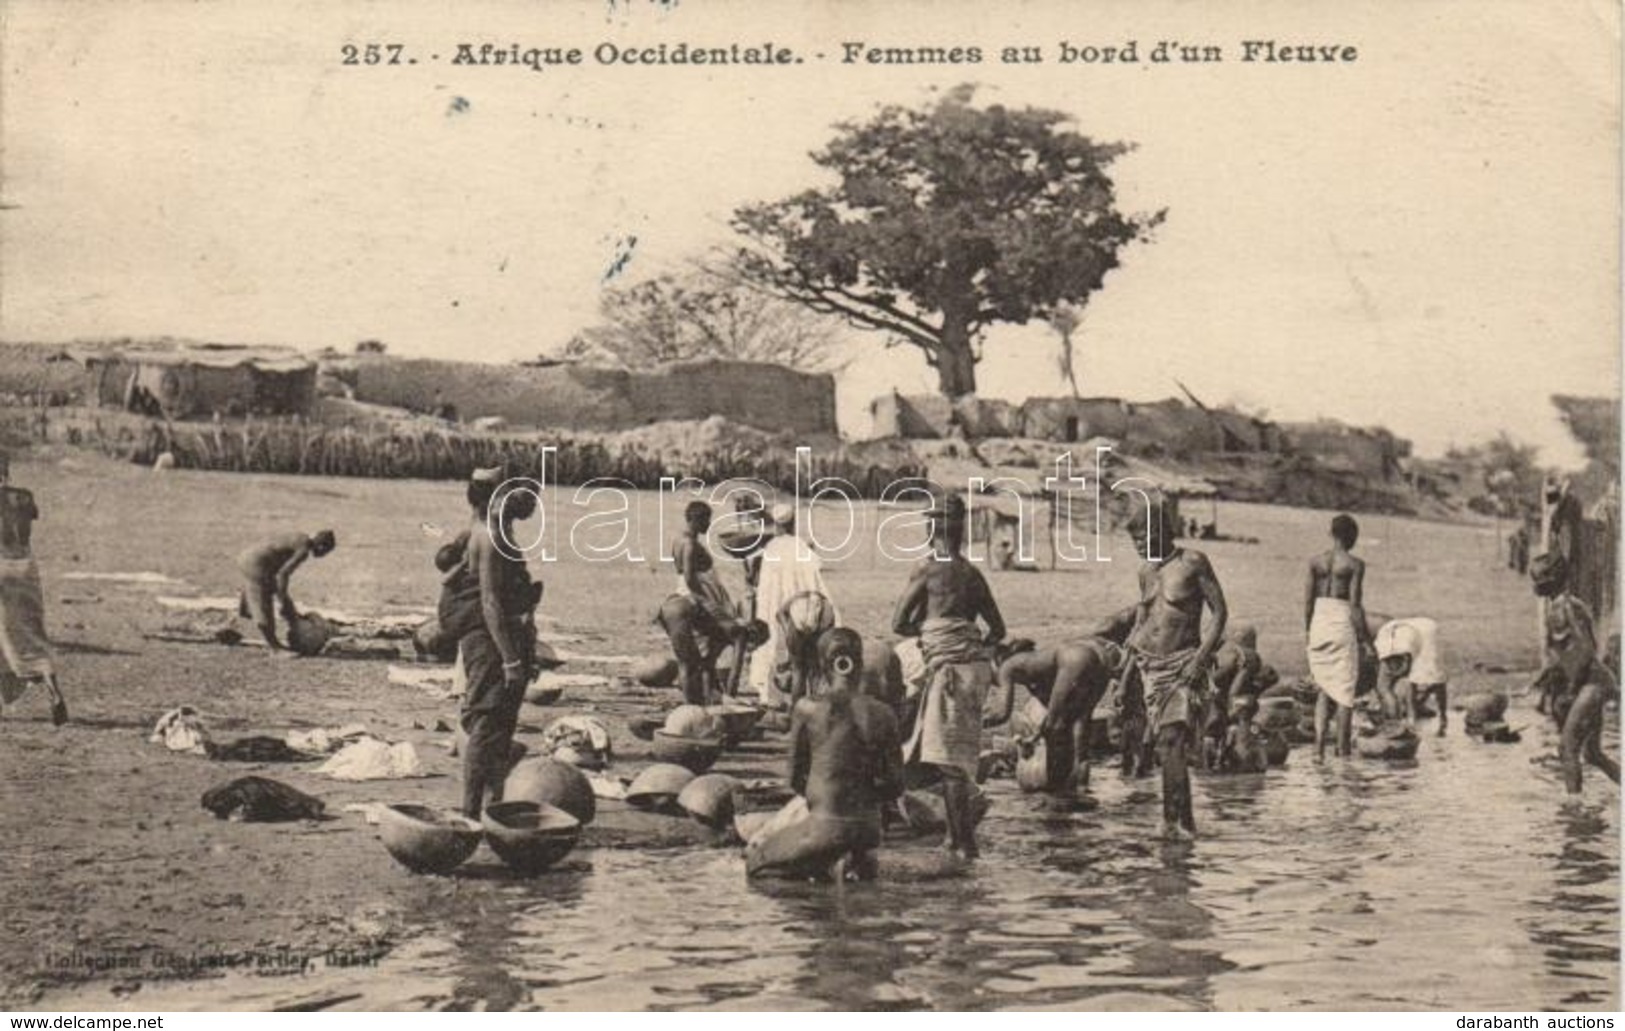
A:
<point x="846" y="761"/>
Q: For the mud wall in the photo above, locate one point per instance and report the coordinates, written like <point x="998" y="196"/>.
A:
<point x="585" y="397"/>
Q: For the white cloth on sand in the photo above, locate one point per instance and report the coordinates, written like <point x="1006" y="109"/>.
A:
<point x="181" y="730"/>
<point x="1334" y="650"/>
<point x="1417" y="637"/>
<point x="372" y="759"/>
<point x="789" y="567"/>
<point x="324" y="739"/>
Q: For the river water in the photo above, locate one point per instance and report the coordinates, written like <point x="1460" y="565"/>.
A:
<point x="1462" y="881"/>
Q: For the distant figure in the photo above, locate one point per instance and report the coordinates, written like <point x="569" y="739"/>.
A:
<point x="1169" y="653"/>
<point x="1412" y="673"/>
<point x="1518" y="550"/>
<point x="845" y="761"/>
<point x="945" y="597"/>
<point x="792" y="598"/>
<point x="23" y="644"/>
<point x="1585" y="686"/>
<point x="1334" y="616"/>
<point x="266" y="570"/>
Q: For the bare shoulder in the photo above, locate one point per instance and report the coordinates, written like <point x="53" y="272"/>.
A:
<point x="968" y="570"/>
<point x="1196" y="560"/>
<point x="923" y="570"/>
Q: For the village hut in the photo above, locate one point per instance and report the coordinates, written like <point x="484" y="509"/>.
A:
<point x="1011" y="506"/>
<point x="192" y="381"/>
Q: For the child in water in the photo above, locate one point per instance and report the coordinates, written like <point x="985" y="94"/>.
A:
<point x="846" y="762"/>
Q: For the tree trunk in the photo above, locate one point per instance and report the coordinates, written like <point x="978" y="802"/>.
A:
<point x="956" y="365"/>
<point x="1067" y="365"/>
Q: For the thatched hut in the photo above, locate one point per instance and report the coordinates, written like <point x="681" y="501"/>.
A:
<point x="191" y="381"/>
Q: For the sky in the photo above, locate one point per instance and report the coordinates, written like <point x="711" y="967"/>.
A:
<point x="1425" y="238"/>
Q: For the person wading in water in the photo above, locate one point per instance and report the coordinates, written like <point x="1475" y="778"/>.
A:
<point x="1169" y="652"/>
<point x="1334" y="617"/>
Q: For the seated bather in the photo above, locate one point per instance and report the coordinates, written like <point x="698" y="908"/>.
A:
<point x="846" y="762"/>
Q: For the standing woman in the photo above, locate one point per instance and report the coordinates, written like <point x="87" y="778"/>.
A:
<point x="25" y="651"/>
<point x="699" y="618"/>
<point x="1334" y="616"/>
<point x="487" y="604"/>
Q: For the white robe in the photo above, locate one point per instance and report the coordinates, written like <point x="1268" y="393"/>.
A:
<point x="789" y="567"/>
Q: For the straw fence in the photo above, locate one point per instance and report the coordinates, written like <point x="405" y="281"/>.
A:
<point x="298" y="447"/>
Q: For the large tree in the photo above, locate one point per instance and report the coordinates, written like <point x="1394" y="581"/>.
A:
<point x="704" y="314"/>
<point x="943" y="221"/>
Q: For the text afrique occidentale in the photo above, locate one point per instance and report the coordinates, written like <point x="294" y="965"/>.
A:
<point x="1130" y="52"/>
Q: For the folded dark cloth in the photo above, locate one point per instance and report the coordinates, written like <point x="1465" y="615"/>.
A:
<point x="261" y="800"/>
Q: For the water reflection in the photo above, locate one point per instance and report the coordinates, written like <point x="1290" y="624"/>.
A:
<point x="1463" y="881"/>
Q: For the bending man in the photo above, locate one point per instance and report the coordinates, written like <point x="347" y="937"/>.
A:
<point x="266" y="571"/>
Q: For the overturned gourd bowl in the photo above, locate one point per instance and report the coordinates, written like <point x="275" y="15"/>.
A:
<point x="543" y="694"/>
<point x="425" y="840"/>
<point x="309" y="634"/>
<point x="529" y="837"/>
<point x="710" y="799"/>
<point x="658" y="786"/>
<point x="695" y="754"/>
<point x="656" y="671"/>
<point x="736" y="721"/>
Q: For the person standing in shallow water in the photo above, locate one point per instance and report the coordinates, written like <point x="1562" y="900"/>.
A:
<point x="1170" y="650"/>
<point x="1334" y="618"/>
<point x="1585" y="685"/>
<point x="945" y="597"/>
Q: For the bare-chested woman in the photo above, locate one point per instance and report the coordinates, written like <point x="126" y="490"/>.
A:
<point x="941" y="605"/>
<point x="1334" y="617"/>
<point x="1170" y="650"/>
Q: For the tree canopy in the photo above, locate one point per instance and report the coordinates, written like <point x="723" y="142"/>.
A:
<point x="943" y="221"/>
<point x="704" y="314"/>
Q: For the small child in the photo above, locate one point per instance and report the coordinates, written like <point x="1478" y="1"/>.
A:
<point x="846" y="762"/>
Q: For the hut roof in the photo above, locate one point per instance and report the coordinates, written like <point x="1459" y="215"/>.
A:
<point x="215" y="356"/>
